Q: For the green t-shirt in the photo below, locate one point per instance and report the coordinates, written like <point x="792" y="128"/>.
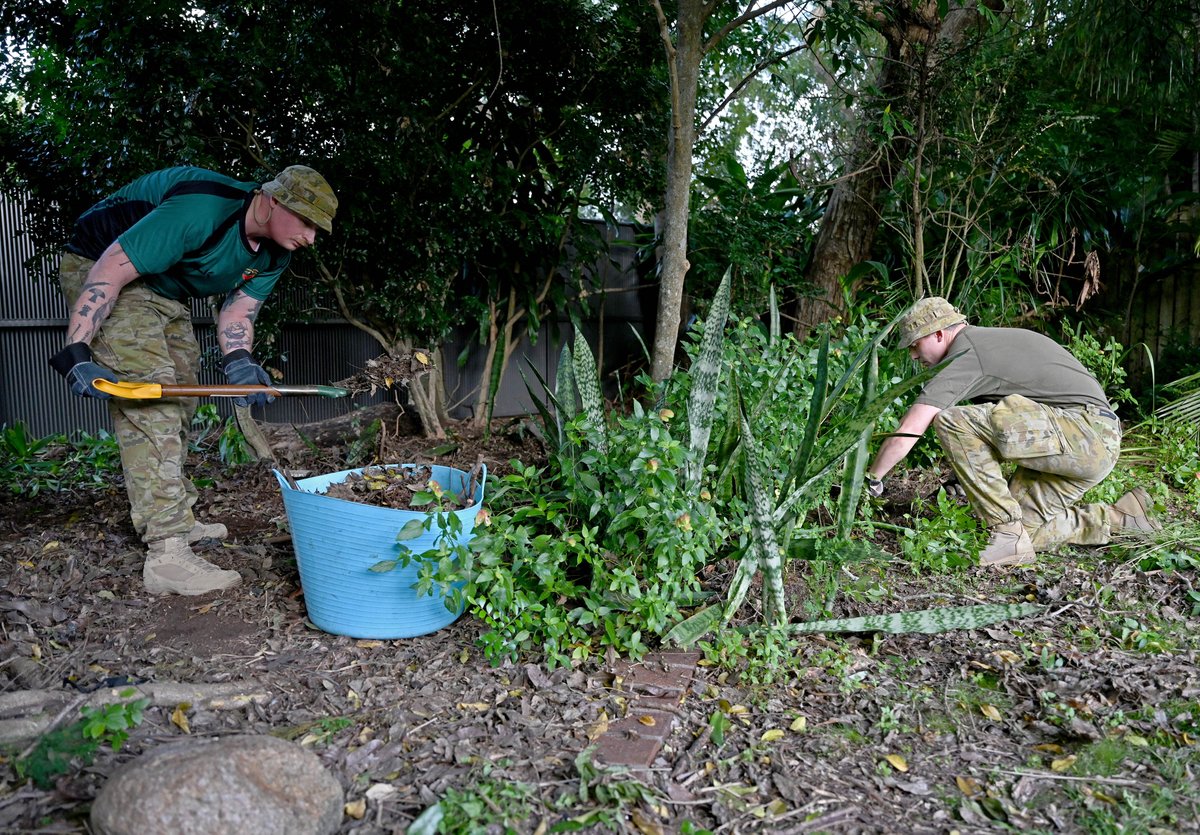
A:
<point x="184" y="231"/>
<point x="992" y="363"/>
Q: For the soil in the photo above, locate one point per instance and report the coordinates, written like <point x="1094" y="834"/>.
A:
<point x="963" y="731"/>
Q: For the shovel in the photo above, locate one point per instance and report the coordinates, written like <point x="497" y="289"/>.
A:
<point x="156" y="391"/>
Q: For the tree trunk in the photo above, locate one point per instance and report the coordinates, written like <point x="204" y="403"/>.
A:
<point x="915" y="37"/>
<point x="683" y="60"/>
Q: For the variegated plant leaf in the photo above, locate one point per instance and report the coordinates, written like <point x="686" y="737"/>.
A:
<point x="706" y="377"/>
<point x="565" y="394"/>
<point x="762" y="532"/>
<point x="587" y="380"/>
<point x="688" y="631"/>
<point x="924" y="621"/>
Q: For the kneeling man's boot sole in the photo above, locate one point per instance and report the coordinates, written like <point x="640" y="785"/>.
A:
<point x="173" y="568"/>
<point x="1009" y="545"/>
<point x="1135" y="507"/>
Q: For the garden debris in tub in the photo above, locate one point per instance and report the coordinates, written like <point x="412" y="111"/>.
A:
<point x="404" y="488"/>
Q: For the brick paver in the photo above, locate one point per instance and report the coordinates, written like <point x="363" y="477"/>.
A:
<point x="655" y="685"/>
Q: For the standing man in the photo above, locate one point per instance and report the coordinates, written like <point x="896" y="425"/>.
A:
<point x="1035" y="405"/>
<point x="133" y="262"/>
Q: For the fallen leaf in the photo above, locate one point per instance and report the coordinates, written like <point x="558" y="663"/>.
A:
<point x="356" y="808"/>
<point x="600" y="727"/>
<point x="990" y="712"/>
<point x="799" y="724"/>
<point x="1063" y="763"/>
<point x="1140" y="741"/>
<point x="422" y="357"/>
<point x="1048" y="748"/>
<point x="897" y="762"/>
<point x="381" y="791"/>
<point x="179" y="718"/>
<point x="969" y="786"/>
<point x="772" y="735"/>
<point x="473" y="706"/>
<point x="648" y="721"/>
<point x="368" y="644"/>
<point x="1007" y="656"/>
<point x="644" y="823"/>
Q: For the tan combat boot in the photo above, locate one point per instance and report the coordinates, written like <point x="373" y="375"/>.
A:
<point x="1009" y="545"/>
<point x="1134" y="508"/>
<point x="172" y="568"/>
<point x="214" y="530"/>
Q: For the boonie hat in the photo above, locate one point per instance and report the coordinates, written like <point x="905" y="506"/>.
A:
<point x="306" y="193"/>
<point x="927" y="316"/>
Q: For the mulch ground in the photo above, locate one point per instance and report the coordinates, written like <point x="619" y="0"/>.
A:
<point x="964" y="731"/>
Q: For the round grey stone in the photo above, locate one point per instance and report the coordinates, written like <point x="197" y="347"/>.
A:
<point x="228" y="786"/>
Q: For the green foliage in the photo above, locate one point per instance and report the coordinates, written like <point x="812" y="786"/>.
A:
<point x="232" y="446"/>
<point x="111" y="723"/>
<point x="600" y="553"/>
<point x="31" y="465"/>
<point x="608" y="794"/>
<point x="756" y="227"/>
<point x="489" y="805"/>
<point x="75" y="745"/>
<point x="945" y="537"/>
<point x="1104" y="361"/>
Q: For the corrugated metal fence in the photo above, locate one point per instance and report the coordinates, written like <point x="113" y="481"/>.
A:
<point x="33" y="318"/>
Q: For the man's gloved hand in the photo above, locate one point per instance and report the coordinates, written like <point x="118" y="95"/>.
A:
<point x="75" y="363"/>
<point x="242" y="370"/>
<point x="954" y="490"/>
<point x="874" y="486"/>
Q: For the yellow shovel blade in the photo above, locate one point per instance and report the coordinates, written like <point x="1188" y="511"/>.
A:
<point x="132" y="391"/>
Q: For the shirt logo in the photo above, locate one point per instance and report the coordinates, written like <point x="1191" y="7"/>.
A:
<point x="249" y="273"/>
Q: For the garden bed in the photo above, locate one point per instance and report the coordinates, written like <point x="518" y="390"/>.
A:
<point x="1074" y="720"/>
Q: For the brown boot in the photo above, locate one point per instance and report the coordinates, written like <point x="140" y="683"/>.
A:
<point x="1009" y="545"/>
<point x="172" y="568"/>
<point x="1134" y="509"/>
<point x="214" y="530"/>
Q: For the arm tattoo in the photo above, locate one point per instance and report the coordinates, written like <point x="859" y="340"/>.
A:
<point x="236" y="335"/>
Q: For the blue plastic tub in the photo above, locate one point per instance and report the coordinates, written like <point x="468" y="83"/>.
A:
<point x="337" y="542"/>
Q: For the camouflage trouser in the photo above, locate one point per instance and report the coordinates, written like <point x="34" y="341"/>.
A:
<point x="1059" y="453"/>
<point x="147" y="338"/>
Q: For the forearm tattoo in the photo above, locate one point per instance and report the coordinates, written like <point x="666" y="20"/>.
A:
<point x="92" y="308"/>
<point x="238" y="331"/>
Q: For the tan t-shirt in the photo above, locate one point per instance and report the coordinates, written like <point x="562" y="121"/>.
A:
<point x="992" y="363"/>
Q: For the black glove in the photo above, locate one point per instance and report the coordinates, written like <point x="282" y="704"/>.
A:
<point x="75" y="363"/>
<point x="874" y="486"/>
<point x="242" y="370"/>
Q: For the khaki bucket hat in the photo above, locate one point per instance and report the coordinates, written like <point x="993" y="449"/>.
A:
<point x="306" y="193"/>
<point x="927" y="316"/>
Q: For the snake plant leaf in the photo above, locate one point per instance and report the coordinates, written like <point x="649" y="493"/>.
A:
<point x="762" y="532"/>
<point x="856" y="462"/>
<point x="706" y="376"/>
<point x="587" y="380"/>
<point x="565" y="393"/>
<point x="842" y="440"/>
<point x="816" y="411"/>
<point x="773" y="306"/>
<point x="924" y="621"/>
<point x="552" y="433"/>
<point x="692" y="629"/>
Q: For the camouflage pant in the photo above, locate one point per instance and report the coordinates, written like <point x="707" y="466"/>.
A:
<point x="147" y="338"/>
<point x="1059" y="453"/>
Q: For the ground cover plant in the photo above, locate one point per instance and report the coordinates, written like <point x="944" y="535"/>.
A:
<point x="1077" y="710"/>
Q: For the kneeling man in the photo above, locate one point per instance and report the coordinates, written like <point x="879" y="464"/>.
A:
<point x="1029" y="401"/>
